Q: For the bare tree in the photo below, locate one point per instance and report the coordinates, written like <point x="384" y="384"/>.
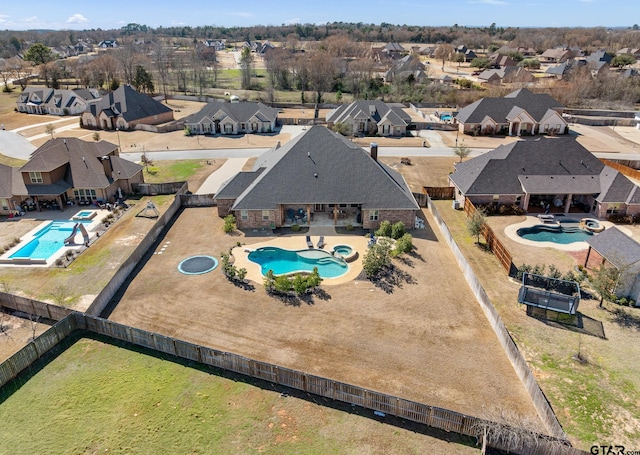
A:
<point x="359" y="74"/>
<point x="20" y="71"/>
<point x="49" y="129"/>
<point x="246" y="67"/>
<point x="443" y="52"/>
<point x="128" y="57"/>
<point x="322" y="70"/>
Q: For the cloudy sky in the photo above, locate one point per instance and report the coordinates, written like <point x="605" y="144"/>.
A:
<point x="74" y="15"/>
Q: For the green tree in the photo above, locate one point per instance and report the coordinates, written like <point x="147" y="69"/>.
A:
<point x="142" y="80"/>
<point x="229" y="224"/>
<point x="96" y="136"/>
<point x="397" y="230"/>
<point x="385" y="229"/>
<point x="39" y="54"/>
<point x="459" y="58"/>
<point x="377" y="257"/>
<point x="480" y="63"/>
<point x="461" y="152"/>
<point x="530" y="63"/>
<point x="623" y="60"/>
<point x="246" y="67"/>
<point x="476" y="224"/>
<point x="604" y="282"/>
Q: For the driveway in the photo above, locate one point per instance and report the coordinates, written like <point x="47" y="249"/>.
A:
<point x="225" y="172"/>
<point x="15" y="146"/>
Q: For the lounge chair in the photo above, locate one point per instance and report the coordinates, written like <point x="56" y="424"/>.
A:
<point x="321" y="243"/>
<point x="309" y="242"/>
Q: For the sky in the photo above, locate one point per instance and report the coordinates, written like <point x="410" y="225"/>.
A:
<point x="75" y="15"/>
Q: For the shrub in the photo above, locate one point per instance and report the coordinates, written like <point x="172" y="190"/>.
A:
<point x="349" y="227"/>
<point x="229" y="224"/>
<point x="375" y="259"/>
<point x="299" y="283"/>
<point x="404" y="244"/>
<point x="385" y="229"/>
<point x="397" y="230"/>
<point x="295" y="227"/>
<point x="620" y="218"/>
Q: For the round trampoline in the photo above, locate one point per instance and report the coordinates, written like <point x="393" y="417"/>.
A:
<point x="197" y="265"/>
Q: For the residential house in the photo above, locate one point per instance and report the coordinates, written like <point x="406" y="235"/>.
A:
<point x="108" y="43"/>
<point x="217" y="44"/>
<point x="232" y="118"/>
<point x="561" y="70"/>
<point x="501" y="61"/>
<point x="317" y="178"/>
<point x="66" y="171"/>
<point x="558" y="172"/>
<point x="623" y="253"/>
<point x="37" y="100"/>
<point x="407" y="67"/>
<point x="556" y="55"/>
<point x="520" y="112"/>
<point x="506" y="74"/>
<point x="599" y="56"/>
<point x="469" y="55"/>
<point x="634" y="51"/>
<point x="394" y="50"/>
<point x="370" y="117"/>
<point x="123" y="109"/>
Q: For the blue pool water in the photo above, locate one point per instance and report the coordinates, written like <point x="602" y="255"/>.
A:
<point x="287" y="261"/>
<point x="84" y="214"/>
<point x="444" y="118"/>
<point x="47" y="241"/>
<point x="556" y="234"/>
<point x="343" y="250"/>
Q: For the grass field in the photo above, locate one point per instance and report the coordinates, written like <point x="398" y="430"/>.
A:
<point x="595" y="401"/>
<point x="101" y="398"/>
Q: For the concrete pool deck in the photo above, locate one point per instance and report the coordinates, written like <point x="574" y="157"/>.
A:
<point x="29" y="236"/>
<point x="299" y="242"/>
<point x="511" y="232"/>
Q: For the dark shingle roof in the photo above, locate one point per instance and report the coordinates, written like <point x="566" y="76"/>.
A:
<point x="536" y="105"/>
<point x="240" y="112"/>
<point x="322" y="167"/>
<point x="234" y="187"/>
<point x="131" y="104"/>
<point x="84" y="160"/>
<point x="616" y="247"/>
<point x="501" y="170"/>
<point x="372" y="109"/>
<point x="6" y="177"/>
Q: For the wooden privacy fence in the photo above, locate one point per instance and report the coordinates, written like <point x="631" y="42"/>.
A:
<point x="421" y="199"/>
<point x="152" y="189"/>
<point x="439" y="192"/>
<point x="197" y="200"/>
<point x="520" y="365"/>
<point x="624" y="170"/>
<point x="33" y="307"/>
<point x="495" y="245"/>
<point x="432" y="416"/>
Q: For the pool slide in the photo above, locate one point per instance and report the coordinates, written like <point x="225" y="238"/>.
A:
<point x="85" y="234"/>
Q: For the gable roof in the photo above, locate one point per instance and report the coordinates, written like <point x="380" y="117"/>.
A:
<point x="129" y="103"/>
<point x="375" y="110"/>
<point x="84" y="160"/>
<point x="536" y="104"/>
<point x="616" y="247"/>
<point x="239" y="112"/>
<point x="6" y="178"/>
<point x="320" y="167"/>
<point x="545" y="166"/>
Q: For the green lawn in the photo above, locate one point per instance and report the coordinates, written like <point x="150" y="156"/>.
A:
<point x="100" y="398"/>
<point x="171" y="171"/>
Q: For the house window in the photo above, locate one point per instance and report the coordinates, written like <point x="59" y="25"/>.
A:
<point x="244" y="215"/>
<point x="343" y="205"/>
<point x="355" y="205"/>
<point x="496" y="197"/>
<point x="265" y="215"/>
<point x="242" y="127"/>
<point x="85" y="195"/>
<point x="373" y="215"/>
<point x="35" y="177"/>
<point x="318" y="208"/>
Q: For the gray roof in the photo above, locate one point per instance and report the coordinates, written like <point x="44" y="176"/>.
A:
<point x="543" y="166"/>
<point x="85" y="168"/>
<point x="240" y="112"/>
<point x="374" y="110"/>
<point x="536" y="105"/>
<point x="129" y="103"/>
<point x="502" y="170"/>
<point x="322" y="167"/>
<point x="616" y="247"/>
<point x="234" y="187"/>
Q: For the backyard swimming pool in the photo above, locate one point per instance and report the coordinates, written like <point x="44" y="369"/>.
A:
<point x="286" y="261"/>
<point x="556" y="234"/>
<point x="46" y="242"/>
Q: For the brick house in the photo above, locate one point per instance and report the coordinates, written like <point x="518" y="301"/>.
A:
<point x="318" y="178"/>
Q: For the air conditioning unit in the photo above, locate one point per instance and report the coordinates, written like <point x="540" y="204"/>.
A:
<point x="456" y="205"/>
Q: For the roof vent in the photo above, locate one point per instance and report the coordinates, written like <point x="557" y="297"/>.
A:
<point x="374" y="151"/>
<point x="315" y="175"/>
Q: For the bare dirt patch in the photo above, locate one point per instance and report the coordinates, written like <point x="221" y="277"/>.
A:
<point x="16" y="332"/>
<point x="423" y="337"/>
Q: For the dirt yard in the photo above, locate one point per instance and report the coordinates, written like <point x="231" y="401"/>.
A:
<point x="16" y="332"/>
<point x="420" y="335"/>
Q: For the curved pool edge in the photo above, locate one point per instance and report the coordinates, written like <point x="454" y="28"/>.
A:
<point x="298" y="242"/>
<point x="307" y="254"/>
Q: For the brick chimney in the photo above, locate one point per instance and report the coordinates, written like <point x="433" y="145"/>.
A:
<point x="374" y="151"/>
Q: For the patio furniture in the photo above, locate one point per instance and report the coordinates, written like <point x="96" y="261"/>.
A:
<point x="309" y="242"/>
<point x="321" y="243"/>
<point x="291" y="214"/>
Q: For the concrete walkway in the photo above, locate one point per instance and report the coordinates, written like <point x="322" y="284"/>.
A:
<point x="229" y="169"/>
<point x="14" y="145"/>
